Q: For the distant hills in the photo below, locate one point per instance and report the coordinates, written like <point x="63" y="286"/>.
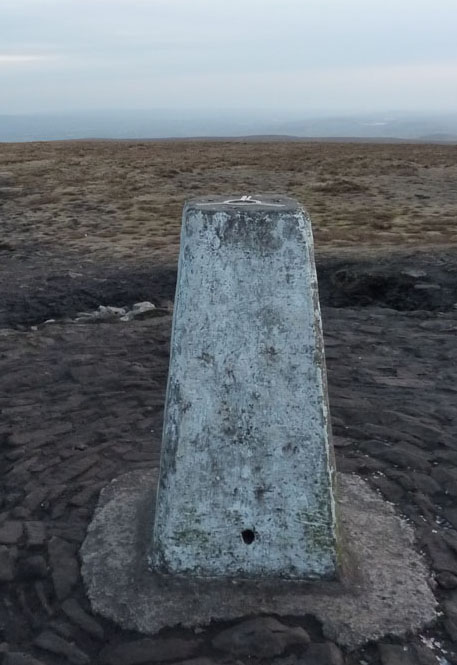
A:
<point x="263" y="125"/>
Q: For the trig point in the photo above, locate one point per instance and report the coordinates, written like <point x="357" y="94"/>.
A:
<point x="246" y="479"/>
<point x="241" y="520"/>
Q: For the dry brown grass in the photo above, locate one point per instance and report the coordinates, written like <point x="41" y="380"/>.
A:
<point x="124" y="199"/>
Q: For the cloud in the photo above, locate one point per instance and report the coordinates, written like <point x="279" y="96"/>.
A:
<point x="23" y="58"/>
<point x="141" y="53"/>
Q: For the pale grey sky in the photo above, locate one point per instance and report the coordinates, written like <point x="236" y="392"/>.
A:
<point x="340" y="55"/>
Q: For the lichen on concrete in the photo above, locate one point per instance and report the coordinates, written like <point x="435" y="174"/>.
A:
<point x="246" y="446"/>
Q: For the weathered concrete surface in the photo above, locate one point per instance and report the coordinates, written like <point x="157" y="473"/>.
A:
<point x="246" y="470"/>
<point x="384" y="590"/>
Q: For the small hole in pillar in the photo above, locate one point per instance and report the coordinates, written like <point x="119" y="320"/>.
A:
<point x="248" y="536"/>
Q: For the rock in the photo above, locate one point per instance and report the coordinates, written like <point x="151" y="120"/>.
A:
<point x="10" y="532"/>
<point x="450" y="624"/>
<point x="447" y="456"/>
<point x="148" y="651"/>
<point x="396" y="654"/>
<point x="342" y="442"/>
<point x="264" y="637"/>
<point x="13" y="497"/>
<point x="389" y="489"/>
<point x="447" y="580"/>
<point x="441" y="555"/>
<point x="103" y="313"/>
<point x="77" y="467"/>
<point x="64" y="565"/>
<point x="36" y="533"/>
<point x="18" y="658"/>
<point x="415" y="274"/>
<point x="424" y="655"/>
<point x="450" y="538"/>
<point x="322" y="654"/>
<point x="85" y="495"/>
<point x="451" y="515"/>
<point x="447" y="479"/>
<point x="35" y="498"/>
<point x="43" y="598"/>
<point x="33" y="568"/>
<point x="287" y="660"/>
<point x="80" y="618"/>
<point x="450" y="606"/>
<point x="413" y="426"/>
<point x="426" y="286"/>
<point x="64" y="628"/>
<point x="8" y="556"/>
<point x="20" y="512"/>
<point x="140" y="310"/>
<point x="424" y="483"/>
<point x="401" y="477"/>
<point x="405" y="456"/>
<point x="51" y="642"/>
<point x="426" y="505"/>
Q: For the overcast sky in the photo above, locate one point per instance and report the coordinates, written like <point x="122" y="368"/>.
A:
<point x="334" y="55"/>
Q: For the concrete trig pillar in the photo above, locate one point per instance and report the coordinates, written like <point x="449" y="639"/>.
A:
<point x="246" y="479"/>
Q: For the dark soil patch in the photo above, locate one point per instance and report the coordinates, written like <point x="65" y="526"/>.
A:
<point x="64" y="294"/>
<point x="405" y="283"/>
<point x="31" y="293"/>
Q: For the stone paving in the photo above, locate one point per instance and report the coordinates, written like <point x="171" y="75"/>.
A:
<point x="82" y="403"/>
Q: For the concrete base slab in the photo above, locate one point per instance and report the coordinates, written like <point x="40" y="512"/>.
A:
<point x="384" y="587"/>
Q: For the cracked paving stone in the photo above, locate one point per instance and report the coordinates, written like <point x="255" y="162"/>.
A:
<point x="33" y="568"/>
<point x="19" y="658"/>
<point x="35" y="533"/>
<point x="80" y="618"/>
<point x="148" y="651"/>
<point x="51" y="642"/>
<point x="64" y="565"/>
<point x="8" y="557"/>
<point x="264" y="637"/>
<point x="11" y="532"/>
<point x="396" y="654"/>
<point x="322" y="654"/>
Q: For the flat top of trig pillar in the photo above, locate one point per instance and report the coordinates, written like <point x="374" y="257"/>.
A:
<point x="252" y="202"/>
